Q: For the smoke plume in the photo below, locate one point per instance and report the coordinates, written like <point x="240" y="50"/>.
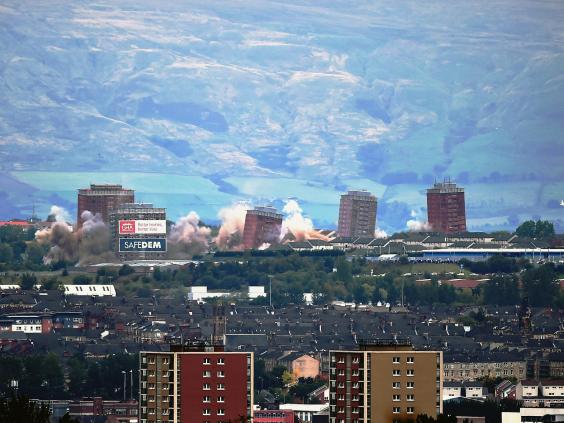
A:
<point x="230" y="236"/>
<point x="59" y="214"/>
<point x="300" y="227"/>
<point x="62" y="240"/>
<point x="379" y="233"/>
<point x="415" y="225"/>
<point x="187" y="237"/>
<point x="94" y="240"/>
<point x="89" y="244"/>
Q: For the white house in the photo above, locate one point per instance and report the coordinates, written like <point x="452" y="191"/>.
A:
<point x="452" y="390"/>
<point x="90" y="290"/>
<point x="527" y="389"/>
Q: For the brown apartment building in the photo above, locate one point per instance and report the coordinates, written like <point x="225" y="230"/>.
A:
<point x="357" y="214"/>
<point x="385" y="381"/>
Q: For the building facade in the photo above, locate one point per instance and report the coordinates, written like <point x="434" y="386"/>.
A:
<point x="195" y="384"/>
<point x="458" y="371"/>
<point x="263" y="225"/>
<point x="102" y="199"/>
<point x="305" y="366"/>
<point x="384" y="382"/>
<point x="273" y="416"/>
<point x="151" y="219"/>
<point x="446" y="210"/>
<point x="357" y="214"/>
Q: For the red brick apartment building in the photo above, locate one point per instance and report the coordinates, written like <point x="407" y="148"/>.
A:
<point x="195" y="384"/>
<point x="263" y="225"/>
<point x="446" y="210"/>
<point x="101" y="199"/>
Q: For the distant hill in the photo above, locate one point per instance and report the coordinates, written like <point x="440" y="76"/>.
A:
<point x="380" y="95"/>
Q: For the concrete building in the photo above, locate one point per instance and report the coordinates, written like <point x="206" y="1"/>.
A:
<point x="263" y="225"/>
<point x="385" y="381"/>
<point x="446" y="210"/>
<point x="102" y="199"/>
<point x="195" y="383"/>
<point x="357" y="214"/>
<point x="138" y="231"/>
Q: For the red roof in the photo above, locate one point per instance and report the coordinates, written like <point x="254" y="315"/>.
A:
<point x="464" y="283"/>
<point x="552" y="382"/>
<point x="15" y="223"/>
<point x="529" y="382"/>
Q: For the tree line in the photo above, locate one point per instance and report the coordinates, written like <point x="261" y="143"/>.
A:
<point x="46" y="377"/>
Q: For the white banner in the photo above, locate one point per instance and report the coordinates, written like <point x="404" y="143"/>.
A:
<point x="142" y="227"/>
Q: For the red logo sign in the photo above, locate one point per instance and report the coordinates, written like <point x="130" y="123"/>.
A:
<point x="127" y="226"/>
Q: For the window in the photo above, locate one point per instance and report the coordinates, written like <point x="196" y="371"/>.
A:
<point x="411" y="397"/>
<point x="220" y="387"/>
<point x="221" y="373"/>
<point x="409" y="410"/>
<point x="411" y="385"/>
<point x="341" y="397"/>
<point x="396" y="385"/>
<point x="220" y="399"/>
<point x="396" y="372"/>
<point x="341" y="372"/>
<point x="355" y="410"/>
<point x="341" y="360"/>
<point x="355" y="360"/>
<point x="220" y="361"/>
<point x="410" y="372"/>
<point x="207" y="387"/>
<point x="207" y="399"/>
<point x="410" y="359"/>
<point x="396" y="397"/>
<point x="341" y="385"/>
<point x="221" y="412"/>
<point x="396" y="410"/>
<point x="207" y="361"/>
<point x="206" y="412"/>
<point x="395" y="360"/>
<point x="206" y="373"/>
